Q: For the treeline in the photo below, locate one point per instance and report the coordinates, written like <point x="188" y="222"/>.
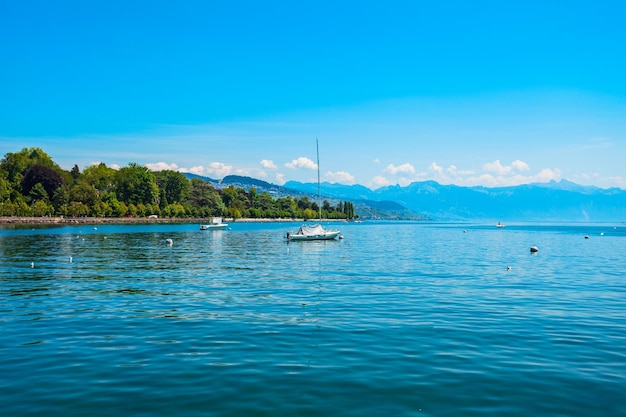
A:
<point x="32" y="184"/>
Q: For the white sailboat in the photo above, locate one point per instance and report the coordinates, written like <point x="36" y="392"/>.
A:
<point x="316" y="231"/>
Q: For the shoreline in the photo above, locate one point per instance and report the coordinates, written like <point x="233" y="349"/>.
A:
<point x="59" y="220"/>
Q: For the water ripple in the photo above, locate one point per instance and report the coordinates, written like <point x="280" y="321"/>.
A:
<point x="397" y="319"/>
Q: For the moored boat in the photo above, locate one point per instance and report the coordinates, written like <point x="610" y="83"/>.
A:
<point x="317" y="231"/>
<point x="313" y="232"/>
<point x="215" y="223"/>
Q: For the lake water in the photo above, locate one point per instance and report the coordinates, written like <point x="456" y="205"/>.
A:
<point x="397" y="319"/>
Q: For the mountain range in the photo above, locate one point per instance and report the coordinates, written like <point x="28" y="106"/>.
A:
<point x="552" y="201"/>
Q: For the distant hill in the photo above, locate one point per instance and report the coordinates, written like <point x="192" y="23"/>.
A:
<point x="552" y="201"/>
<point x="191" y="176"/>
<point x="352" y="192"/>
<point x="246" y="183"/>
<point x="365" y="205"/>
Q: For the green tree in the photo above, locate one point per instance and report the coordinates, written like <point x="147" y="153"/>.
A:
<point x="118" y="208"/>
<point x="78" y="209"/>
<point x="304" y="203"/>
<point x="42" y="208"/>
<point x="15" y="164"/>
<point x="309" y="214"/>
<point x="75" y="172"/>
<point x="5" y="187"/>
<point x="267" y="205"/>
<point x="38" y="193"/>
<point x="205" y="199"/>
<point x="236" y="200"/>
<point x="101" y="177"/>
<point x="286" y="207"/>
<point x="175" y="210"/>
<point x="84" y="193"/>
<point x="173" y="185"/>
<point x="136" y="184"/>
<point x="61" y="199"/>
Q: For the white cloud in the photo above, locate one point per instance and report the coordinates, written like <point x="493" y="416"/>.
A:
<point x="341" y="177"/>
<point x="436" y="168"/>
<point x="496" y="167"/>
<point x="261" y="174"/>
<point x="491" y="180"/>
<point x="241" y="171"/>
<point x="379" y="181"/>
<point x="376" y="161"/>
<point x="455" y="172"/>
<point x="546" y="175"/>
<point x="219" y="169"/>
<point x="520" y="165"/>
<point x="162" y="166"/>
<point x="494" y="174"/>
<point x="280" y="179"/>
<point x="405" y="168"/>
<point x="301" y="162"/>
<point x="268" y="164"/>
<point x="198" y="170"/>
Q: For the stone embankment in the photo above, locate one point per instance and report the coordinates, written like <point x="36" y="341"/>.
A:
<point x="129" y="220"/>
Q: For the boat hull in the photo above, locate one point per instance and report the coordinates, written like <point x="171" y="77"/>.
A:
<point x="302" y="238"/>
<point x="213" y="226"/>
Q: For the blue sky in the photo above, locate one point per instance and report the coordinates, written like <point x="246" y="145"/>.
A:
<point x="469" y="93"/>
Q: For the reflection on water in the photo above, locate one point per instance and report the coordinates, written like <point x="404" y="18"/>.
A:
<point x="397" y="319"/>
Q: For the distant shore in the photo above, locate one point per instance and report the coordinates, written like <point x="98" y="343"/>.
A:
<point x="134" y="220"/>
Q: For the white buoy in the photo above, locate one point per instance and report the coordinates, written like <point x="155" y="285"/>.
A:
<point x="170" y="242"/>
<point x="71" y="259"/>
<point x="534" y="249"/>
<point x="95" y="228"/>
<point x="32" y="264"/>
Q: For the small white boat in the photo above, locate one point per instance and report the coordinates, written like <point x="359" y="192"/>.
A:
<point x="500" y="225"/>
<point x="312" y="232"/>
<point x="215" y="223"/>
<point x="316" y="231"/>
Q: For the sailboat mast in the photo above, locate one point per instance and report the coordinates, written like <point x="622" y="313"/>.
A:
<point x="319" y="194"/>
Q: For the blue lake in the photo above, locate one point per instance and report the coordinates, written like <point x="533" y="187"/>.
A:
<point x="397" y="319"/>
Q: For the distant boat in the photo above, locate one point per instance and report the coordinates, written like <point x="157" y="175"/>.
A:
<point x="215" y="223"/>
<point x="500" y="225"/>
<point x="317" y="231"/>
<point x="313" y="232"/>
